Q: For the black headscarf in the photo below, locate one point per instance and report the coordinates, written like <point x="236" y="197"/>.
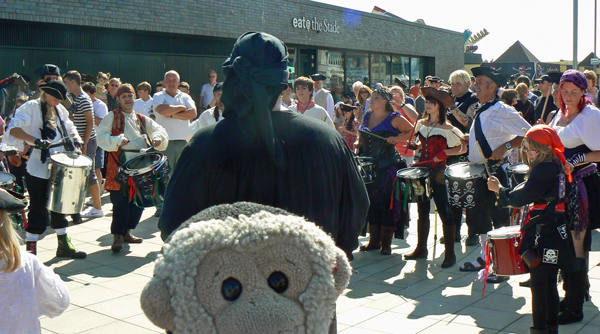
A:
<point x="256" y="73"/>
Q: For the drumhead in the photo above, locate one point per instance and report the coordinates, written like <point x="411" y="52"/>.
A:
<point x="413" y="172"/>
<point x="6" y="178"/>
<point x="519" y="168"/>
<point x="143" y="163"/>
<point x="507" y="232"/>
<point x="463" y="170"/>
<point x="71" y="159"/>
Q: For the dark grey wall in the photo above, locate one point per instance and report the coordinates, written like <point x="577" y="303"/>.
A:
<point x="231" y="18"/>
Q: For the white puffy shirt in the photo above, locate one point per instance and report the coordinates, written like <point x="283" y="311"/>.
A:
<point x="583" y="130"/>
<point x="500" y="124"/>
<point x="29" y="118"/>
<point x="29" y="292"/>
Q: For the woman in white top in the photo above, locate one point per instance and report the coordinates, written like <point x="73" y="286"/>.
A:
<point x="577" y="126"/>
<point x="209" y="116"/>
<point x="28" y="288"/>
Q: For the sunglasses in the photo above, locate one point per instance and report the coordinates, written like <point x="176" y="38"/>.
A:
<point x="364" y="92"/>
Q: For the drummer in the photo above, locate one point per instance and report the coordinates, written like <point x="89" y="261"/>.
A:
<point x="439" y="139"/>
<point x="383" y="128"/>
<point x="38" y="123"/>
<point x="545" y="233"/>
<point x="496" y="129"/>
<point x="123" y="133"/>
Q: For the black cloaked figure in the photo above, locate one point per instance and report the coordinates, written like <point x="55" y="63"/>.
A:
<point x="265" y="154"/>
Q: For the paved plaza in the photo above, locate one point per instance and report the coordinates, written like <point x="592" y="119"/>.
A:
<point x="386" y="295"/>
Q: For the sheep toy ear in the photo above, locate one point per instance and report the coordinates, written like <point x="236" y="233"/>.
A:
<point x="156" y="304"/>
<point x="342" y="271"/>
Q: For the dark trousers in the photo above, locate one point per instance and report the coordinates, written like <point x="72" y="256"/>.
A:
<point x="440" y="197"/>
<point x="544" y="296"/>
<point x="38" y="215"/>
<point x="480" y="218"/>
<point x="126" y="215"/>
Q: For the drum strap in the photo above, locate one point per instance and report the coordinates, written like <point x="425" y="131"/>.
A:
<point x="479" y="135"/>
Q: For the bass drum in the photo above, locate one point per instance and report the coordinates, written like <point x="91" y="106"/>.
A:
<point x="68" y="182"/>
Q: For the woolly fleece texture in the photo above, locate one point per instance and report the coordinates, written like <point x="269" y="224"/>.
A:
<point x="184" y="296"/>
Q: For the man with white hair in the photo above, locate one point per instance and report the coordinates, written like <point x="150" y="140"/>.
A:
<point x="173" y="110"/>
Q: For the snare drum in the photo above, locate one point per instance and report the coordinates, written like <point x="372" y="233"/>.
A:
<point x="150" y="174"/>
<point x="516" y="174"/>
<point x="465" y="183"/>
<point x="366" y="167"/>
<point x="416" y="181"/>
<point x="7" y="181"/>
<point x="68" y="182"/>
<point x="504" y="248"/>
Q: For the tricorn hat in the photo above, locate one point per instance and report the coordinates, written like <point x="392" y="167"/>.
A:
<point x="48" y="69"/>
<point x="439" y="95"/>
<point x="555" y="77"/>
<point x="318" y="77"/>
<point x="496" y="76"/>
<point x="56" y="88"/>
<point x="400" y="82"/>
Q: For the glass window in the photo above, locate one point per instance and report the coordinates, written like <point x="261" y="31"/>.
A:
<point x="292" y="63"/>
<point x="400" y="68"/>
<point x="380" y="69"/>
<point x="357" y="69"/>
<point x="331" y="64"/>
<point x="416" y="69"/>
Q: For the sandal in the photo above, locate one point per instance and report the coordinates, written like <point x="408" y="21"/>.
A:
<point x="493" y="278"/>
<point x="468" y="266"/>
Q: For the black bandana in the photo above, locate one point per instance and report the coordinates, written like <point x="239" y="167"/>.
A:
<point x="256" y="72"/>
<point x="384" y="93"/>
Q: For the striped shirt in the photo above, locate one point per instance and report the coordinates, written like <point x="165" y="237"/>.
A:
<point x="83" y="104"/>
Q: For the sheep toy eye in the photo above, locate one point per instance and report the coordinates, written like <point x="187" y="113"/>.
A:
<point x="278" y="282"/>
<point x="231" y="289"/>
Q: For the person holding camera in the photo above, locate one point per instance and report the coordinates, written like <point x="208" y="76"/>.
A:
<point x="546" y="243"/>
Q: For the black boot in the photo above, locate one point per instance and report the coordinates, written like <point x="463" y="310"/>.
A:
<point x="577" y="291"/>
<point x="552" y="329"/>
<point x="537" y="331"/>
<point x="374" y="238"/>
<point x="450" y="257"/>
<point x="31" y="247"/>
<point x="565" y="278"/>
<point x="66" y="249"/>
<point x="387" y="234"/>
<point x="420" y="251"/>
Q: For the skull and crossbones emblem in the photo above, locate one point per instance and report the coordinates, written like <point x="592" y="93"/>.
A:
<point x="550" y="256"/>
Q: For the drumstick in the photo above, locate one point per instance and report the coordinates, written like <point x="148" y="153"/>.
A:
<point x="544" y="110"/>
<point x="412" y="132"/>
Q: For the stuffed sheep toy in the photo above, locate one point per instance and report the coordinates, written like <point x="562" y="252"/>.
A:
<point x="246" y="268"/>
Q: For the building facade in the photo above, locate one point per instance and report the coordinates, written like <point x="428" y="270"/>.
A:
<point x="140" y="40"/>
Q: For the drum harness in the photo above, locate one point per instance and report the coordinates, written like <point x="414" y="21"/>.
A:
<point x="122" y="177"/>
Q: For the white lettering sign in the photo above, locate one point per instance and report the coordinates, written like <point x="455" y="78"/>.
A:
<point x="314" y="24"/>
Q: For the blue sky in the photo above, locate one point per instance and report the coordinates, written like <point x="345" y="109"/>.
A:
<point x="544" y="27"/>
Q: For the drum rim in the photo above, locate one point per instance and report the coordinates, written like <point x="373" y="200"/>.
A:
<point x="12" y="179"/>
<point x="144" y="170"/>
<point x="514" y="233"/>
<point x="71" y="166"/>
<point x="480" y="175"/>
<point x="413" y="177"/>
<point x="512" y="168"/>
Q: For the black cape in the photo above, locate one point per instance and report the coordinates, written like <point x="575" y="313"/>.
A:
<point x="228" y="162"/>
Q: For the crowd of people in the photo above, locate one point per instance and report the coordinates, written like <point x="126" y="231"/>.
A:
<point x="350" y="166"/>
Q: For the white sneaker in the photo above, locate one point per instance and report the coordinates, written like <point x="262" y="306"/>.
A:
<point x="92" y="213"/>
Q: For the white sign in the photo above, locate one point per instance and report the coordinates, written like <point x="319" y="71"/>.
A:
<point x="315" y="24"/>
<point x="595" y="61"/>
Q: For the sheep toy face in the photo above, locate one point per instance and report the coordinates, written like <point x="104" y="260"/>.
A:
<point x="265" y="273"/>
